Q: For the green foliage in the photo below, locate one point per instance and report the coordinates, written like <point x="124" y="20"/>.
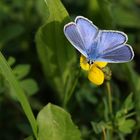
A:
<point x="55" y="123"/>
<point x="55" y="54"/>
<point x="125" y="125"/>
<point x="30" y="86"/>
<point x="121" y="121"/>
<point x="19" y="93"/>
<point x="125" y="15"/>
<point x="99" y="112"/>
<point x="135" y="81"/>
<point x="98" y="9"/>
<point x="21" y="71"/>
<point x="10" y="33"/>
<point x="99" y="127"/>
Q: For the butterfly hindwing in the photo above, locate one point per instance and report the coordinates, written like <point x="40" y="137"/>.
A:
<point x="112" y="48"/>
<point x="108" y="40"/>
<point x="122" y="53"/>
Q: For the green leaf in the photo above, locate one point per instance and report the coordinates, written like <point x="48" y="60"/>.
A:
<point x="128" y="103"/>
<point x="98" y="127"/>
<point x="11" y="79"/>
<point x="126" y="107"/>
<point x="11" y="60"/>
<point x="21" y="70"/>
<point x="3" y="84"/>
<point x="54" y="123"/>
<point x="41" y="9"/>
<point x="133" y="76"/>
<point x="55" y="53"/>
<point x="29" y="86"/>
<point x="126" y="126"/>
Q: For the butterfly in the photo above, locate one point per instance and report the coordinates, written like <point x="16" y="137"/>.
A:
<point x="98" y="45"/>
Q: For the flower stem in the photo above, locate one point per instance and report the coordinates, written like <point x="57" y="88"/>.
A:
<point x="104" y="134"/>
<point x="109" y="107"/>
<point x="109" y="97"/>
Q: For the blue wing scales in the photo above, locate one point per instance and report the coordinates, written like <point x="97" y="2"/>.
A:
<point x="74" y="37"/>
<point x="120" y="54"/>
<point x="87" y="30"/>
<point x="81" y="34"/>
<point x="108" y="40"/>
<point x="98" y="45"/>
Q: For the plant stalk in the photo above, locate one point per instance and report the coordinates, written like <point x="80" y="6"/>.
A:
<point x="109" y="94"/>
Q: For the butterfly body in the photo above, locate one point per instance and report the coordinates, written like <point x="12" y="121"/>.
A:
<point x="98" y="45"/>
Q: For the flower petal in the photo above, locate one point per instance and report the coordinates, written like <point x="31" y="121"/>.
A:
<point x="83" y="63"/>
<point x="96" y="75"/>
<point x="100" y="64"/>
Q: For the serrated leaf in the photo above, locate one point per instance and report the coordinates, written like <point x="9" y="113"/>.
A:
<point x="55" y="53"/>
<point x="54" y="123"/>
<point x="21" y="70"/>
<point x="126" y="126"/>
<point x="30" y="86"/>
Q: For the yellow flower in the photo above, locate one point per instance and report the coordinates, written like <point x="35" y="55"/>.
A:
<point x="83" y="63"/>
<point x="95" y="73"/>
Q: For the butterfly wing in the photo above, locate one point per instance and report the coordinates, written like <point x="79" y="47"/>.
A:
<point x="72" y="34"/>
<point x="81" y="34"/>
<point x="112" y="48"/>
<point x="123" y="53"/>
<point x="87" y="30"/>
<point x="108" y="40"/>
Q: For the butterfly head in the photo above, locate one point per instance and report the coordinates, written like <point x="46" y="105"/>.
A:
<point x="90" y="62"/>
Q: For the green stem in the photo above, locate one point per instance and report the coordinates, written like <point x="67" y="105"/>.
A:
<point x="104" y="133"/>
<point x="130" y="114"/>
<point x="109" y="106"/>
<point x="109" y="97"/>
<point x="7" y="72"/>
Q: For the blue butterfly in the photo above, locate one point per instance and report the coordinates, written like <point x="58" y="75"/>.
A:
<point x="98" y="45"/>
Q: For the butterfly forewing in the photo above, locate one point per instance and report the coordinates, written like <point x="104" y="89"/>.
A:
<point x="88" y="31"/>
<point x="81" y="34"/>
<point x="72" y="34"/>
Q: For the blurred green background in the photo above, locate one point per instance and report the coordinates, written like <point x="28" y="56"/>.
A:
<point x="19" y="22"/>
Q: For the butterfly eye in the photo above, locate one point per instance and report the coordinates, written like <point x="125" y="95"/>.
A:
<point x="90" y="62"/>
